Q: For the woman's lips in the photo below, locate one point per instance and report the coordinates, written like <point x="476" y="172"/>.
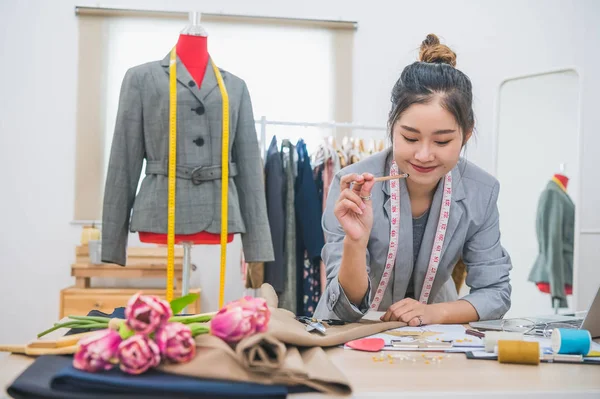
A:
<point x="421" y="169"/>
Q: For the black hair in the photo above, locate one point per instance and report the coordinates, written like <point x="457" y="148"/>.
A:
<point x="434" y="75"/>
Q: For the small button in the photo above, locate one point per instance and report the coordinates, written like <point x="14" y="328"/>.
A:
<point x="333" y="297"/>
<point x="199" y="110"/>
<point x="191" y="83"/>
<point x="199" y="141"/>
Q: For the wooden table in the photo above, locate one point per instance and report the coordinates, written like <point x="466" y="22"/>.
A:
<point x="455" y="376"/>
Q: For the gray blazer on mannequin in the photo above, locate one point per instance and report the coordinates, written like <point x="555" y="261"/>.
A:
<point x="473" y="234"/>
<point x="142" y="131"/>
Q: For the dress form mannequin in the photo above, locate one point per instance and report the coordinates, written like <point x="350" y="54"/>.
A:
<point x="562" y="181"/>
<point x="192" y="50"/>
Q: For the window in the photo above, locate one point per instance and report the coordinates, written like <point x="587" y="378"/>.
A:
<point x="294" y="72"/>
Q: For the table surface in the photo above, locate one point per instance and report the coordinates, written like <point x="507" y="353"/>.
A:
<point x="454" y="376"/>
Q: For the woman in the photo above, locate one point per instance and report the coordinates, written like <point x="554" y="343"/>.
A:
<point x="391" y="246"/>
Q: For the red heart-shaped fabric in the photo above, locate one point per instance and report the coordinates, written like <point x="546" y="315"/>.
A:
<point x="367" y="344"/>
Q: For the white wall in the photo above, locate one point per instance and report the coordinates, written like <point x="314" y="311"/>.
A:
<point x="524" y="170"/>
<point x="37" y="105"/>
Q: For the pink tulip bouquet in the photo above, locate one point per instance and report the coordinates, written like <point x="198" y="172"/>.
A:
<point x="151" y="334"/>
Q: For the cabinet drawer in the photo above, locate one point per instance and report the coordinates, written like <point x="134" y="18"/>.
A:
<point x="80" y="301"/>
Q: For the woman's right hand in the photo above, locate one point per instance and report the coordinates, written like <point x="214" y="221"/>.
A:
<point x="354" y="213"/>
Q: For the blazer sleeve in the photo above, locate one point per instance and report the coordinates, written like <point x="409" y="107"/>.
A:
<point x="251" y="186"/>
<point x="334" y="303"/>
<point x="551" y="226"/>
<point x="126" y="157"/>
<point x="488" y="266"/>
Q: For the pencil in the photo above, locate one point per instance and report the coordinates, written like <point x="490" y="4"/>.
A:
<point x="384" y="178"/>
<point x="475" y="333"/>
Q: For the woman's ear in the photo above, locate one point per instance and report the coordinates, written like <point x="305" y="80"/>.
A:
<point x="467" y="136"/>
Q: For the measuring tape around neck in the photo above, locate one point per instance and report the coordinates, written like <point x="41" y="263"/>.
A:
<point x="438" y="243"/>
<point x="172" y="176"/>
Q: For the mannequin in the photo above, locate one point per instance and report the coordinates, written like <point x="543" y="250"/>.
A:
<point x="555" y="229"/>
<point x="192" y="50"/>
<point x="142" y="132"/>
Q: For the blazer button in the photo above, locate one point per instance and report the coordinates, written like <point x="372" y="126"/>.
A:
<point x="191" y="83"/>
<point x="199" y="141"/>
<point x="199" y="110"/>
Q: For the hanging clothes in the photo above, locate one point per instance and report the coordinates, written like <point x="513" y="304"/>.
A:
<point x="555" y="228"/>
<point x="289" y="298"/>
<point x="274" y="272"/>
<point x="309" y="237"/>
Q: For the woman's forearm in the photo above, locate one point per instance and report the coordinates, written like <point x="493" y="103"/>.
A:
<point x="353" y="275"/>
<point x="457" y="312"/>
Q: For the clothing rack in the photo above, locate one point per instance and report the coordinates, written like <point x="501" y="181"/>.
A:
<point x="264" y="122"/>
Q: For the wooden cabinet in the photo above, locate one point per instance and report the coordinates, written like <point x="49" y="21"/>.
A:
<point x="142" y="262"/>
<point x="79" y="301"/>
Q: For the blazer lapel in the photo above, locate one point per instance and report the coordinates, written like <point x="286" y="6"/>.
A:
<point x="209" y="82"/>
<point x="456" y="213"/>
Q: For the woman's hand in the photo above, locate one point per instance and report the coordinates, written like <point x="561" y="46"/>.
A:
<point x="354" y="213"/>
<point x="413" y="312"/>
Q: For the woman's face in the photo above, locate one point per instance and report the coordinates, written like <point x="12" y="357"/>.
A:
<point x="427" y="142"/>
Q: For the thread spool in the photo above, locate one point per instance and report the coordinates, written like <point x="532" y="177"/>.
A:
<point x="492" y="337"/>
<point x="519" y="352"/>
<point x="566" y="341"/>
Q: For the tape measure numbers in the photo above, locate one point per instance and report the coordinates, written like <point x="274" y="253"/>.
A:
<point x="438" y="244"/>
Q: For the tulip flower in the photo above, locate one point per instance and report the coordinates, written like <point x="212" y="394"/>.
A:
<point x="176" y="343"/>
<point x="137" y="354"/>
<point x="147" y="313"/>
<point x="98" y="351"/>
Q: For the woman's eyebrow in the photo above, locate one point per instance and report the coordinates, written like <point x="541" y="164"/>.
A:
<point x="415" y="130"/>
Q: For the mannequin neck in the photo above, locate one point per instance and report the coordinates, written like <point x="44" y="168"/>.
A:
<point x="563" y="179"/>
<point x="193" y="53"/>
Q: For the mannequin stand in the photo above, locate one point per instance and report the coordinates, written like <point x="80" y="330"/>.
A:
<point x="187" y="263"/>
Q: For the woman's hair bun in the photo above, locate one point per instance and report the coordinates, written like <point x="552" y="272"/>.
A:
<point x="434" y="52"/>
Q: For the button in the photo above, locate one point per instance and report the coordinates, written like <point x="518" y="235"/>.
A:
<point x="333" y="297"/>
<point x="199" y="141"/>
<point x="191" y="83"/>
<point x="199" y="110"/>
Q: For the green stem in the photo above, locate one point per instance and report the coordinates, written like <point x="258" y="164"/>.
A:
<point x="191" y="319"/>
<point x="73" y="324"/>
<point x="97" y="319"/>
<point x="199" y="328"/>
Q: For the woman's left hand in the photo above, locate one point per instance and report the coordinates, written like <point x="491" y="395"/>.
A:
<point x="412" y="312"/>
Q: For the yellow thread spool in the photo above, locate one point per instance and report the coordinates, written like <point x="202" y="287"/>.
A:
<point x="519" y="352"/>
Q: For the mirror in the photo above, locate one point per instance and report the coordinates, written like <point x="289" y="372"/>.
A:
<point x="538" y="139"/>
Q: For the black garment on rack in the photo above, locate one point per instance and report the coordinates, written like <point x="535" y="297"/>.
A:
<point x="309" y="234"/>
<point x="275" y="186"/>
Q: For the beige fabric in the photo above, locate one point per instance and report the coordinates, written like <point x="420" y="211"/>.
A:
<point x="285" y="354"/>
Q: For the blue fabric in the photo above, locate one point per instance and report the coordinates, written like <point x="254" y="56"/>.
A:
<point x="157" y="383"/>
<point x="309" y="234"/>
<point x="54" y="377"/>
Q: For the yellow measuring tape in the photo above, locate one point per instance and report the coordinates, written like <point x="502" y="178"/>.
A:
<point x="224" y="179"/>
<point x="172" y="177"/>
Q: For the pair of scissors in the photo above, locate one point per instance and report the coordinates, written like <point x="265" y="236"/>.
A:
<point x="313" y="324"/>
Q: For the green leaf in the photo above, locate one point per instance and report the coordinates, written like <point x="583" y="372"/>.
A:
<point x="125" y="332"/>
<point x="177" y="305"/>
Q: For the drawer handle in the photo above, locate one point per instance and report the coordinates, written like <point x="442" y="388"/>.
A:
<point x="98" y="305"/>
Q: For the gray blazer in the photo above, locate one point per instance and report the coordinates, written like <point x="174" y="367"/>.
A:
<point x="555" y="230"/>
<point x="473" y="234"/>
<point x="142" y="132"/>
